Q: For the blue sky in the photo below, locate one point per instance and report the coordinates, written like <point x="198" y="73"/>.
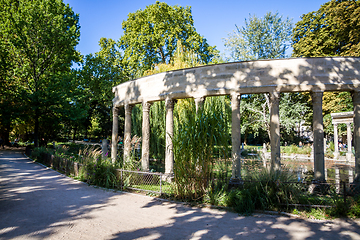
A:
<point x="213" y="19"/>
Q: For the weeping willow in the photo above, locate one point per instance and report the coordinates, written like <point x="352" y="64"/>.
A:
<point x="136" y="120"/>
<point x="157" y="128"/>
<point x="157" y="132"/>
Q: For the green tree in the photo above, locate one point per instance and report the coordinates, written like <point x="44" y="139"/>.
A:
<point x="99" y="73"/>
<point x="265" y="38"/>
<point x="151" y="36"/>
<point x="333" y="30"/>
<point x="260" y="38"/>
<point x="334" y="102"/>
<point x="41" y="36"/>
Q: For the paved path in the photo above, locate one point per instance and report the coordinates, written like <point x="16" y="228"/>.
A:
<point x="38" y="203"/>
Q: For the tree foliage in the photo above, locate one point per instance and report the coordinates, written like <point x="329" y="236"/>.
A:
<point x="333" y="30"/>
<point x="151" y="36"/>
<point x="260" y="38"/>
<point x="265" y="38"/>
<point x="334" y="102"/>
<point x="40" y="37"/>
<point x="99" y="73"/>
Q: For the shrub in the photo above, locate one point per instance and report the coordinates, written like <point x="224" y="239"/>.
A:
<point x="273" y="189"/>
<point x="354" y="210"/>
<point x="293" y="149"/>
<point x="261" y="190"/>
<point x="37" y="154"/>
<point x="242" y="200"/>
<point x="101" y="173"/>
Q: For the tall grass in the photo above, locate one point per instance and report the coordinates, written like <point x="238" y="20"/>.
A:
<point x="262" y="190"/>
<point x="195" y="138"/>
<point x="89" y="154"/>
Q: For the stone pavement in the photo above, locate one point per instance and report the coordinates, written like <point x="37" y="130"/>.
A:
<point x="38" y="203"/>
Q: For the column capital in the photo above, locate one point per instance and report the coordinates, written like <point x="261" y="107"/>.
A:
<point x="199" y="99"/>
<point x="115" y="110"/>
<point x="274" y="97"/>
<point x="316" y="96"/>
<point x="199" y="102"/>
<point x="355" y="96"/>
<point x="146" y="106"/>
<point x="274" y="94"/>
<point x="235" y="95"/>
<point x="169" y="103"/>
<point x="128" y="108"/>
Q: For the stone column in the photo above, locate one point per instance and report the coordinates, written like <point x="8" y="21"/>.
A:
<point x="235" y="137"/>
<point x="169" y="154"/>
<point x="145" y="137"/>
<point x="115" y="134"/>
<point x="337" y="179"/>
<point x="325" y="172"/>
<point x="351" y="177"/>
<point x="336" y="141"/>
<point x="356" y="102"/>
<point x="275" y="131"/>
<point x="349" y="136"/>
<point x="199" y="102"/>
<point x="104" y="148"/>
<point x="127" y="132"/>
<point x="324" y="145"/>
<point x="318" y="128"/>
<point x="264" y="153"/>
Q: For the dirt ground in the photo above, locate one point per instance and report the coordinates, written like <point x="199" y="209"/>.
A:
<point x="39" y="203"/>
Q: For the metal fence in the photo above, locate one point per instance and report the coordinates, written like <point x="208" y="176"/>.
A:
<point x="144" y="181"/>
<point x="160" y="183"/>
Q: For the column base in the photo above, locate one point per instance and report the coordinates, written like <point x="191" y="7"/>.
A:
<point x="319" y="186"/>
<point x="336" y="155"/>
<point x="235" y="183"/>
<point x="168" y="177"/>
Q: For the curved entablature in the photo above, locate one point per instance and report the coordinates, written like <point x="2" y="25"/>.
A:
<point x="280" y="75"/>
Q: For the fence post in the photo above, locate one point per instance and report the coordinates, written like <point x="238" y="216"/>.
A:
<point x="160" y="183"/>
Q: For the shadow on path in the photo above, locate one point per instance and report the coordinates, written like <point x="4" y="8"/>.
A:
<point x="35" y="201"/>
<point x="38" y="203"/>
<point x="202" y="223"/>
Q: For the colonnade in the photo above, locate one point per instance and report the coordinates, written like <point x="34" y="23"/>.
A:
<point x="314" y="75"/>
<point x="319" y="163"/>
<point x="346" y="118"/>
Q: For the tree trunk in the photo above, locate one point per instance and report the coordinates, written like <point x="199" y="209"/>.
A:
<point x="6" y="133"/>
<point x="36" y="131"/>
